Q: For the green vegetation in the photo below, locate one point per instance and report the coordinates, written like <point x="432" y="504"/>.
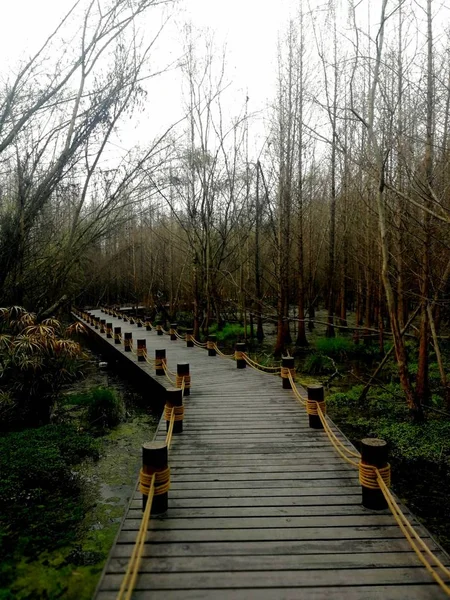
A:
<point x="104" y="407"/>
<point x="230" y="332"/>
<point x="36" y="360"/>
<point x="419" y="453"/>
<point x="41" y="498"/>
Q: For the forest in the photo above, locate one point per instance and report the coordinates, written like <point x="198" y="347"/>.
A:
<point x="319" y="226"/>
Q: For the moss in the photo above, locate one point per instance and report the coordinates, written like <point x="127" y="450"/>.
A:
<point x="72" y="571"/>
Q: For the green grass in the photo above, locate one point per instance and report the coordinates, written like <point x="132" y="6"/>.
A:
<point x="230" y="332"/>
<point x="344" y="347"/>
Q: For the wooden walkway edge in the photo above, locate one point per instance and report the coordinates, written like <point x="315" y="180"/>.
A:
<point x="260" y="505"/>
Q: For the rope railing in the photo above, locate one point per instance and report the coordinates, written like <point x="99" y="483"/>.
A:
<point x="198" y="344"/>
<point x="259" y="367"/>
<point x="221" y="354"/>
<point x="372" y="477"/>
<point x="167" y="373"/>
<point x="130" y="577"/>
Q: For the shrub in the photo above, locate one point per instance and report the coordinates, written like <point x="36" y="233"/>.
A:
<point x="343" y="347"/>
<point x="318" y="364"/>
<point x="39" y="490"/>
<point x="36" y="360"/>
<point x="106" y="408"/>
<point x="230" y="332"/>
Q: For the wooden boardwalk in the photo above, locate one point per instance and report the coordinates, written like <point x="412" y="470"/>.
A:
<point x="260" y="506"/>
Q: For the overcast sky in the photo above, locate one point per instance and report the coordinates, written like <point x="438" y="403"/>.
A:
<point x="248" y="27"/>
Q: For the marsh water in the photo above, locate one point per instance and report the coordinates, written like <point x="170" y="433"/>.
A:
<point x="72" y="572"/>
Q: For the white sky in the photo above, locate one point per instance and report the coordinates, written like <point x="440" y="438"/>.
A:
<point x="248" y="27"/>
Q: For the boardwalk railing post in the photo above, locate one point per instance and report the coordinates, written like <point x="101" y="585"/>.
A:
<point x="189" y="338"/>
<point x="172" y="330"/>
<point x="119" y="315"/>
<point x="102" y="325"/>
<point x="154" y="460"/>
<point x="96" y="321"/>
<point x="160" y="360"/>
<point x="174" y="399"/>
<point x="239" y="349"/>
<point x="131" y="320"/>
<point x="109" y="330"/>
<point x="211" y="345"/>
<point x="159" y="330"/>
<point x="139" y="322"/>
<point x="183" y="373"/>
<point x="141" y="350"/>
<point x="148" y="326"/>
<point x="287" y="366"/>
<point x="315" y="397"/>
<point x="127" y="341"/>
<point x="374" y="454"/>
<point x="117" y="334"/>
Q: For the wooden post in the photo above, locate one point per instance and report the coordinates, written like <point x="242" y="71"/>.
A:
<point x="125" y="318"/>
<point x="119" y="315"/>
<point x="287" y="365"/>
<point x="131" y="320"/>
<point x="374" y="452"/>
<point x="174" y="398"/>
<point x="173" y="328"/>
<point x="159" y="330"/>
<point x="211" y="345"/>
<point x="239" y="349"/>
<point x="141" y="350"/>
<point x="160" y="359"/>
<point x="139" y="322"/>
<point x="183" y="373"/>
<point x="102" y="325"/>
<point x="117" y="334"/>
<point x="109" y="330"/>
<point x="315" y="396"/>
<point x="148" y="325"/>
<point x="154" y="460"/>
<point x="189" y="338"/>
<point x="127" y="341"/>
<point x="95" y="320"/>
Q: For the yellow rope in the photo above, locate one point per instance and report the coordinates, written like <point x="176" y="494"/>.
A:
<point x="183" y="381"/>
<point x="151" y="361"/>
<point x="220" y="353"/>
<point x="254" y="365"/>
<point x="166" y="371"/>
<point x="420" y="548"/>
<point x="297" y="394"/>
<point x="313" y="407"/>
<point x="171" y="424"/>
<point x="161" y="483"/>
<point x="342" y="450"/>
<point x="368" y="475"/>
<point x="176" y="411"/>
<point x="129" y="580"/>
<point x="258" y="365"/>
<point x="180" y="337"/>
<point x="198" y="344"/>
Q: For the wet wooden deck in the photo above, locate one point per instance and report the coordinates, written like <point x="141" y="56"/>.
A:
<point x="260" y="506"/>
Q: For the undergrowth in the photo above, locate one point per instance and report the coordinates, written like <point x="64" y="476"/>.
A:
<point x="41" y="501"/>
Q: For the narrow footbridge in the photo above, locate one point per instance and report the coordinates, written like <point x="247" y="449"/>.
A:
<point x="261" y="505"/>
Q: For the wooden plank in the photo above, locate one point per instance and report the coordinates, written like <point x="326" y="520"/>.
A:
<point x="271" y="548"/>
<point x="258" y="535"/>
<point x="281" y="562"/>
<point x="171" y="523"/>
<point x="260" y="506"/>
<point x="424" y="591"/>
<point x="262" y="579"/>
